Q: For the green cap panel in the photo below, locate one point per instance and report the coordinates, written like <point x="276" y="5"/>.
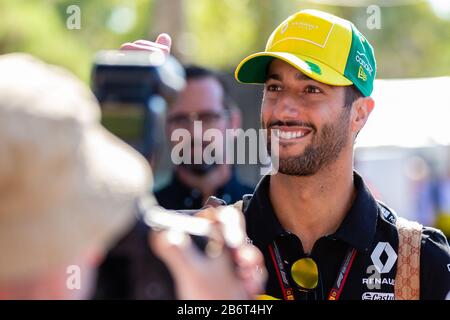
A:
<point x="361" y="65"/>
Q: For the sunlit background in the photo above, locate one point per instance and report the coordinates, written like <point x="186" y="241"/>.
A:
<point x="403" y="152"/>
<point x="413" y="40"/>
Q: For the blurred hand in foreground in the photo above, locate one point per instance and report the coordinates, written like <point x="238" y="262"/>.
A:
<point x="229" y="269"/>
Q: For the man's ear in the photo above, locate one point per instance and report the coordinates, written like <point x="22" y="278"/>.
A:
<point x="361" y="110"/>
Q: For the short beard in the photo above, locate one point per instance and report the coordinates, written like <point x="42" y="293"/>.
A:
<point x="324" y="149"/>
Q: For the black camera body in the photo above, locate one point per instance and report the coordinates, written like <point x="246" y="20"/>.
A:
<point x="133" y="88"/>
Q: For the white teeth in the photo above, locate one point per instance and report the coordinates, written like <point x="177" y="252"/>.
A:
<point x="288" y="135"/>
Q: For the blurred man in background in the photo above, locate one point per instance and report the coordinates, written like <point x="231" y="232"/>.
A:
<point x="205" y="99"/>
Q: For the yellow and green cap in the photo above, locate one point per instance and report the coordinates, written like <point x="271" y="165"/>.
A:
<point x="325" y="47"/>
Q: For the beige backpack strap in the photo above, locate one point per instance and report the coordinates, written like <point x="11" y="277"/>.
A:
<point x="407" y="280"/>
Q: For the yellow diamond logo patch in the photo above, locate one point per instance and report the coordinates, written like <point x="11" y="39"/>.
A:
<point x="361" y="74"/>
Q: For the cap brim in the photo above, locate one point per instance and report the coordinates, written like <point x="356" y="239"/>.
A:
<point x="253" y="69"/>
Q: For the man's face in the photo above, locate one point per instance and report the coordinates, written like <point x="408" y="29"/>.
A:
<point x="201" y="100"/>
<point x="312" y="123"/>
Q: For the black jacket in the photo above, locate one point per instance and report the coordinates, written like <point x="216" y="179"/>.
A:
<point x="177" y="196"/>
<point x="369" y="227"/>
<point x="131" y="270"/>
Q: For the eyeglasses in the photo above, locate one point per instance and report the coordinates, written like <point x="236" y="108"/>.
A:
<point x="207" y="118"/>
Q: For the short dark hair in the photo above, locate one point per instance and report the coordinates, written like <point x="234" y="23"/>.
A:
<point x="351" y="95"/>
<point x="194" y="72"/>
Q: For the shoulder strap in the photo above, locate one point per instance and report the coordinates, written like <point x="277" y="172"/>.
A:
<point x="407" y="279"/>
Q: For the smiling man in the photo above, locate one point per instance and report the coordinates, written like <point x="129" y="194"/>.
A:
<point x="323" y="234"/>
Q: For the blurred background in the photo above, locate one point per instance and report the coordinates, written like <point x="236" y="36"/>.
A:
<point x="404" y="150"/>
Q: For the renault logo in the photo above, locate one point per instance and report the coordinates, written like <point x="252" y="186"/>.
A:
<point x="383" y="247"/>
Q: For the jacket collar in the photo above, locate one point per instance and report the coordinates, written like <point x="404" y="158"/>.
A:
<point x="357" y="229"/>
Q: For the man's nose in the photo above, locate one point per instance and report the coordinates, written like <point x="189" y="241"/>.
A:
<point x="196" y="129"/>
<point x="288" y="106"/>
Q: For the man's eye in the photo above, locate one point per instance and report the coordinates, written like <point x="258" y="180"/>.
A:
<point x="312" y="89"/>
<point x="273" y="88"/>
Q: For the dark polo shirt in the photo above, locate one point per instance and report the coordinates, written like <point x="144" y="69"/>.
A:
<point x="369" y="227"/>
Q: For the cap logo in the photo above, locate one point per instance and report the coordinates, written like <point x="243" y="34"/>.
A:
<point x="284" y="28"/>
<point x="383" y="247"/>
<point x="361" y="74"/>
<point x="364" y="62"/>
<point x="310" y="29"/>
<point x="305" y="25"/>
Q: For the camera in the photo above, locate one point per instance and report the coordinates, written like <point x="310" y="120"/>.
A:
<point x="133" y="89"/>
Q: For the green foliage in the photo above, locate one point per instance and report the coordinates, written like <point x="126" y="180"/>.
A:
<point x="412" y="41"/>
<point x="39" y="27"/>
<point x="35" y="27"/>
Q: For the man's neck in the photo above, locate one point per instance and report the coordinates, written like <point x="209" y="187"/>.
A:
<point x="314" y="206"/>
<point x="207" y="184"/>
